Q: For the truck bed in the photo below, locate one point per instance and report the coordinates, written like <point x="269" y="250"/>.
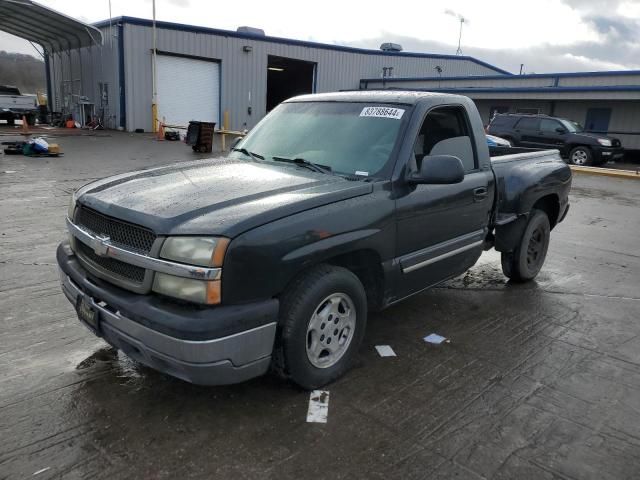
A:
<point x="521" y="173"/>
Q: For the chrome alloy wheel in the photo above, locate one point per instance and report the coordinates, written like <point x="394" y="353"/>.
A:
<point x="535" y="248"/>
<point x="579" y="157"/>
<point x="330" y="330"/>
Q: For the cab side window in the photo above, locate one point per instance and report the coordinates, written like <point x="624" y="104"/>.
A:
<point x="549" y="126"/>
<point x="528" y="123"/>
<point x="445" y="131"/>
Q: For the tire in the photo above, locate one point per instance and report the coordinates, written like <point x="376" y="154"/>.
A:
<point x="31" y="120"/>
<point x="581" y="156"/>
<point x="303" y="353"/>
<point x="525" y="262"/>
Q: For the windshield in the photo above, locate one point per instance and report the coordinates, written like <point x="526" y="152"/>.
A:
<point x="348" y="138"/>
<point x="573" y="127"/>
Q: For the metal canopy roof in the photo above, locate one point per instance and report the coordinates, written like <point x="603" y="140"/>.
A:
<point x="51" y="29"/>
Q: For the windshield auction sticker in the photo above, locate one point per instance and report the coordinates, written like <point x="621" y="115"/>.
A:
<point x="382" y="112"/>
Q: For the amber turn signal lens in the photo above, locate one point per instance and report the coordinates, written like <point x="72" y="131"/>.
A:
<point x="218" y="253"/>
<point x="214" y="296"/>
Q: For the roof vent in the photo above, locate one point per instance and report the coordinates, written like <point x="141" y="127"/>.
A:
<point x="391" y="47"/>
<point x="258" y="32"/>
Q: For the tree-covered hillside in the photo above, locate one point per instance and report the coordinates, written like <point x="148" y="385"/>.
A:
<point x="22" y="71"/>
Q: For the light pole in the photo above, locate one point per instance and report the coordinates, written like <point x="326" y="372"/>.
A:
<point x="154" y="80"/>
<point x="459" y="51"/>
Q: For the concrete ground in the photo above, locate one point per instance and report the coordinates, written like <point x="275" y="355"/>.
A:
<point x="539" y="381"/>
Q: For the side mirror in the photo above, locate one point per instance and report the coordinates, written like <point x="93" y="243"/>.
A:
<point x="235" y="142"/>
<point x="439" y="170"/>
<point x="560" y="130"/>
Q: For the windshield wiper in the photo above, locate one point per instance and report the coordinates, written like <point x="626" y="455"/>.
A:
<point x="253" y="155"/>
<point x="316" y="167"/>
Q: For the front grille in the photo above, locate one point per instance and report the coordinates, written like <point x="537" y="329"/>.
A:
<point x="115" y="267"/>
<point x="121" y="234"/>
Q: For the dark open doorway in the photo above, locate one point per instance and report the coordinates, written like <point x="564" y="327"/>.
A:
<point x="287" y="78"/>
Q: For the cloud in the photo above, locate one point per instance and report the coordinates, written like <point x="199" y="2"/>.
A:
<point x="582" y="56"/>
<point x="621" y="28"/>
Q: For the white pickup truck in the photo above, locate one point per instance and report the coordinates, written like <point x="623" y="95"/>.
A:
<point x="13" y="105"/>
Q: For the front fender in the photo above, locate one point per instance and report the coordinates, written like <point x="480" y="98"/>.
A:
<point x="260" y="263"/>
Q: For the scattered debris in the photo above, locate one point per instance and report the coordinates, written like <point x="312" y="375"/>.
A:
<point x="9" y="171"/>
<point x="318" y="406"/>
<point x="385" y="351"/>
<point x="436" y="339"/>
<point x="35" y="147"/>
<point x="41" y="471"/>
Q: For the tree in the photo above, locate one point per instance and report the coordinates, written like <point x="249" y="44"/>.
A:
<point x="22" y="71"/>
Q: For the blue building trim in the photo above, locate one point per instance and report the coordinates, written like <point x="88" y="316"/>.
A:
<point x="121" y="77"/>
<point x="612" y="88"/>
<point x="288" y="41"/>
<point x="611" y="73"/>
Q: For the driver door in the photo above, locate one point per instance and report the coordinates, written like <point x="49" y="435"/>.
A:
<point x="441" y="228"/>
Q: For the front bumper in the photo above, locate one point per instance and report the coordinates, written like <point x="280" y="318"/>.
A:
<point x="206" y="350"/>
<point x="604" y="154"/>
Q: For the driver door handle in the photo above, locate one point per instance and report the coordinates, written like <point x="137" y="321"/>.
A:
<point x="479" y="194"/>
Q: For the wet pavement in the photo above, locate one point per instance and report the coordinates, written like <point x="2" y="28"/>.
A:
<point x="539" y="381"/>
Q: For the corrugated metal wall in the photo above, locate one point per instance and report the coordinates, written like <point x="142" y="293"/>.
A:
<point x="244" y="75"/>
<point x="80" y="72"/>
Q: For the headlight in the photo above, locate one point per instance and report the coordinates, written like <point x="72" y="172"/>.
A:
<point x="199" y="291"/>
<point x="72" y="206"/>
<point x="604" y="142"/>
<point x="201" y="251"/>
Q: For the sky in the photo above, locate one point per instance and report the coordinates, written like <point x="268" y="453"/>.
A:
<point x="544" y="35"/>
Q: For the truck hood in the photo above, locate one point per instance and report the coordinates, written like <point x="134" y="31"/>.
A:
<point x="215" y="196"/>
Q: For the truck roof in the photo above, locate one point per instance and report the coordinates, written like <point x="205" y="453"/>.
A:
<point x="377" y="96"/>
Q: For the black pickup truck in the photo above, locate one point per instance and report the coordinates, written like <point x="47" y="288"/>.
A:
<point x="336" y="204"/>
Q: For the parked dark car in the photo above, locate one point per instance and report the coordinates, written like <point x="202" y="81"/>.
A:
<point x="333" y="206"/>
<point x="541" y="131"/>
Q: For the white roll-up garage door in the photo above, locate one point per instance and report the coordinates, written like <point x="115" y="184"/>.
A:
<point x="188" y="89"/>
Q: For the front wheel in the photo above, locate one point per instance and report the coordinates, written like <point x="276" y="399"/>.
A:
<point x="323" y="316"/>
<point x="581" y="156"/>
<point x="524" y="263"/>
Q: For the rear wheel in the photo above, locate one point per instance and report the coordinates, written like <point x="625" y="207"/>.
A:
<point x="323" y="316"/>
<point x="525" y="262"/>
<point x="581" y="156"/>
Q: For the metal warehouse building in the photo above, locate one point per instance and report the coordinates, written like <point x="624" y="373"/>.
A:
<point x="106" y="70"/>
<point x="202" y="72"/>
<point x="603" y="102"/>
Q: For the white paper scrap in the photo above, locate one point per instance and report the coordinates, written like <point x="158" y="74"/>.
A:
<point x="385" y="351"/>
<point x="318" y="406"/>
<point x="435" y="339"/>
<point x="41" y="471"/>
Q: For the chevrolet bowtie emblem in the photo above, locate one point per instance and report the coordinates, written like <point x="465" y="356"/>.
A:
<point x="101" y="245"/>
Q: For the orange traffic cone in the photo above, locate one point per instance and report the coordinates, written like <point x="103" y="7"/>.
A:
<point x="160" y="131"/>
<point x="25" y="126"/>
